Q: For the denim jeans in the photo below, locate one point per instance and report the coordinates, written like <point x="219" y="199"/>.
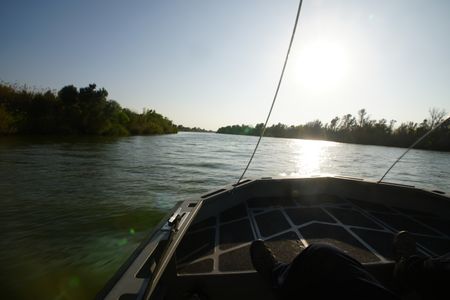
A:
<point x="324" y="272"/>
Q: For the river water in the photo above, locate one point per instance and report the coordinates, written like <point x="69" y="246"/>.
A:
<point x="73" y="209"/>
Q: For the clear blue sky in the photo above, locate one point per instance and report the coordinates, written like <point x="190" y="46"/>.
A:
<point x="214" y="63"/>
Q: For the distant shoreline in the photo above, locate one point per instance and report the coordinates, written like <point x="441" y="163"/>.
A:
<point x="319" y="140"/>
<point x="52" y="137"/>
<point x="360" y="131"/>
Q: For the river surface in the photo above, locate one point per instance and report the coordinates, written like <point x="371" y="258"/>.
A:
<point x="73" y="209"/>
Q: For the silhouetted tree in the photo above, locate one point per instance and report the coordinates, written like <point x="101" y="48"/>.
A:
<point x="436" y="116"/>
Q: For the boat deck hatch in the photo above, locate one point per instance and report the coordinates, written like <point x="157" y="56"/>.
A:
<point x="220" y="244"/>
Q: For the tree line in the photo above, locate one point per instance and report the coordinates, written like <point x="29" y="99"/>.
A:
<point x="83" y="111"/>
<point x="192" y="129"/>
<point x="360" y="129"/>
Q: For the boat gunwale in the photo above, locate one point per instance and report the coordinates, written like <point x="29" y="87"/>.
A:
<point x="114" y="279"/>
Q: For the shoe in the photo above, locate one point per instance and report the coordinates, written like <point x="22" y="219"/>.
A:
<point x="263" y="259"/>
<point x="404" y="245"/>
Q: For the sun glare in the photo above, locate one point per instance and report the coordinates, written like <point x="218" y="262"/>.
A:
<point x="309" y="156"/>
<point x="322" y="65"/>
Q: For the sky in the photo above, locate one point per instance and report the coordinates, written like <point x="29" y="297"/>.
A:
<point x="210" y="63"/>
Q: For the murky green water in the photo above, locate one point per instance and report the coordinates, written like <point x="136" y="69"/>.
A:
<point x="72" y="210"/>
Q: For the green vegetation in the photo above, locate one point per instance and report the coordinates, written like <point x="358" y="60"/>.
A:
<point x="360" y="130"/>
<point x="84" y="111"/>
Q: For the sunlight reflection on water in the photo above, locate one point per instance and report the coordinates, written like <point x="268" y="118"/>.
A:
<point x="310" y="156"/>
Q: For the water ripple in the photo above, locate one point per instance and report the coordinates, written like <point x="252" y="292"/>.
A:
<point x="79" y="206"/>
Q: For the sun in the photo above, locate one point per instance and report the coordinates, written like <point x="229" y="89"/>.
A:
<point x="322" y="65"/>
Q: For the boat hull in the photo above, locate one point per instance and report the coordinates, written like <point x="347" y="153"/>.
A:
<point x="360" y="217"/>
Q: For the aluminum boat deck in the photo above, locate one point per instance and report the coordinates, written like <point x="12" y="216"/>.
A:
<point x="220" y="244"/>
<point x="202" y="246"/>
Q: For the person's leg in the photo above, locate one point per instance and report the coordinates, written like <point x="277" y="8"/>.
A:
<point x="319" y="271"/>
<point x="427" y="276"/>
<point x="324" y="271"/>
<point x="430" y="277"/>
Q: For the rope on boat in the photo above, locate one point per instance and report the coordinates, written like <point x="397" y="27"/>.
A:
<point x="276" y="91"/>
<point x="413" y="145"/>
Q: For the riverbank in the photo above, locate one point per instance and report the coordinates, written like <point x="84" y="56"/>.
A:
<point x="73" y="111"/>
<point x="359" y="130"/>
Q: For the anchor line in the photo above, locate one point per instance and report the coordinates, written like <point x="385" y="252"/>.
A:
<point x="276" y="92"/>
<point x="413" y="145"/>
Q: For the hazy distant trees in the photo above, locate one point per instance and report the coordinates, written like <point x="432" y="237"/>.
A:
<point x="360" y="129"/>
<point x="191" y="129"/>
<point x="84" y="111"/>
